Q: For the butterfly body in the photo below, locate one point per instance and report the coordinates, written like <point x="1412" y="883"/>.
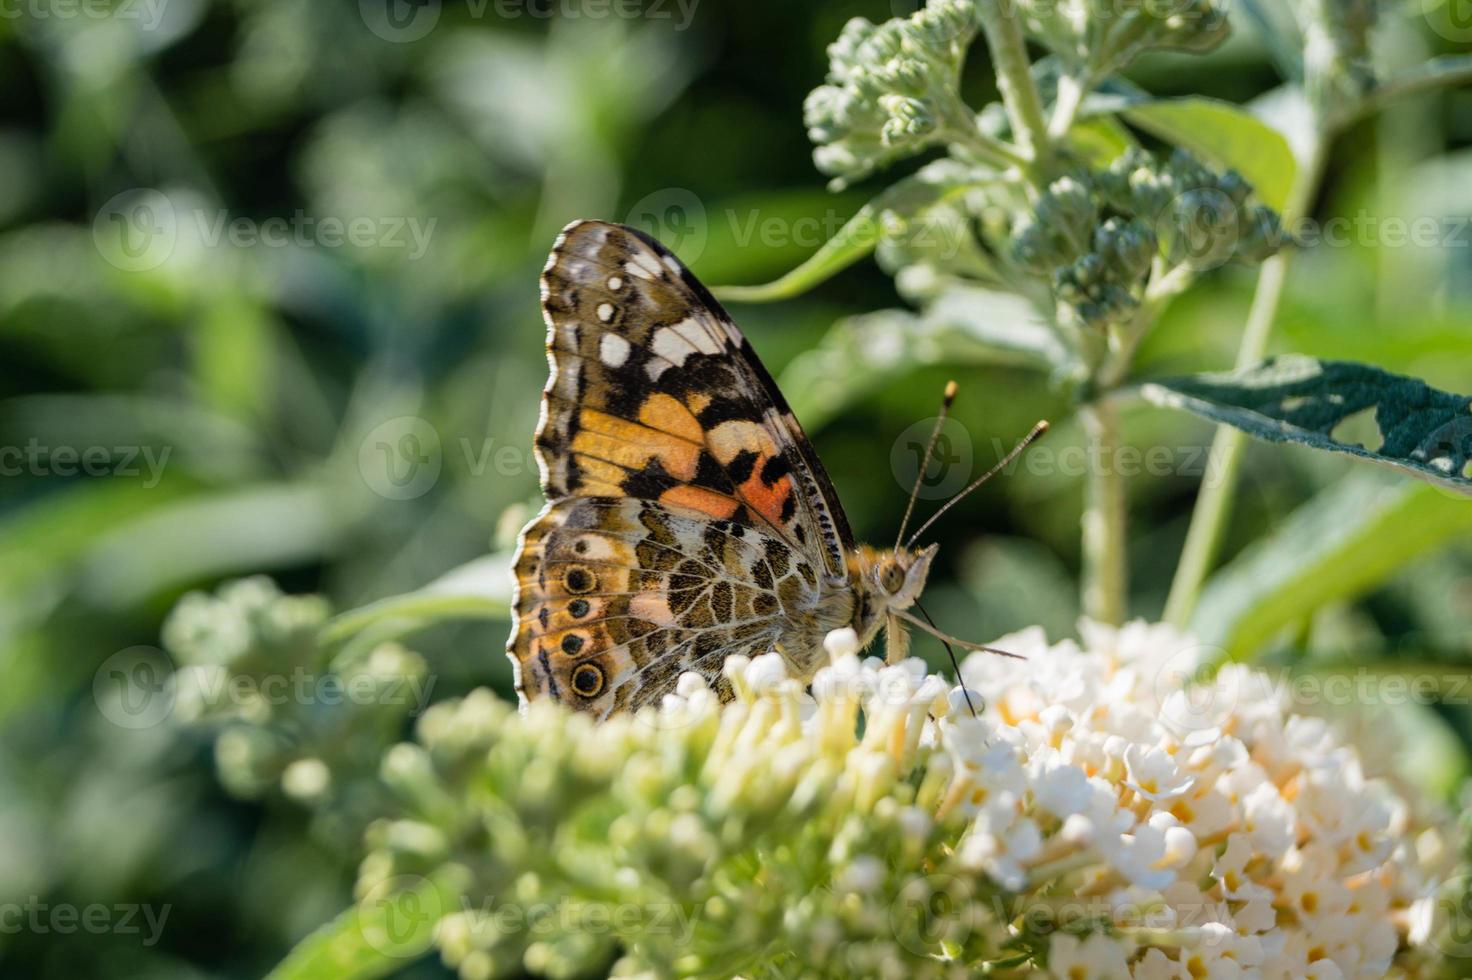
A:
<point x="688" y="517"/>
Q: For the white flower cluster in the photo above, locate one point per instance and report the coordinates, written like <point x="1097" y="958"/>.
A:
<point x="1145" y="825"/>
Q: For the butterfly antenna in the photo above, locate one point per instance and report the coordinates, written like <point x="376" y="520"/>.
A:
<point x="954" y="663"/>
<point x="940" y="420"/>
<point x="935" y="631"/>
<point x="1028" y="440"/>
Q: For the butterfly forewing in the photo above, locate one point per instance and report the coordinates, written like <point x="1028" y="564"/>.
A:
<point x="668" y="455"/>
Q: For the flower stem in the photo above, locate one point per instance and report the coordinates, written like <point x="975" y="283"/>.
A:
<point x="1213" y="501"/>
<point x="1105" y="578"/>
<point x="1014" y="78"/>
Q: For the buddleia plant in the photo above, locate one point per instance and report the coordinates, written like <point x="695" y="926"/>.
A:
<point x="1097" y="205"/>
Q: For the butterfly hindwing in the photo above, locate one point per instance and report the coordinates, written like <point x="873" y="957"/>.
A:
<point x="688" y="517"/>
<point x="616" y="597"/>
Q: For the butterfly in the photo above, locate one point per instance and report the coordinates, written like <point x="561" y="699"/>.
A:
<point x="688" y="518"/>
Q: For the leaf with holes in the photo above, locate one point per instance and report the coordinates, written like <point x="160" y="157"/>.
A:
<point x="1329" y="404"/>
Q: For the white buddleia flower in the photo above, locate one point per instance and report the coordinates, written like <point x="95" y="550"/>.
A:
<point x="1072" y="828"/>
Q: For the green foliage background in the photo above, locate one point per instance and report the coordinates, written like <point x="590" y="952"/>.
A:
<point x="264" y="372"/>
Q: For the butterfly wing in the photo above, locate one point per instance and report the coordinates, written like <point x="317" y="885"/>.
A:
<point x="616" y="597"/>
<point x="655" y="400"/>
<point x="654" y="393"/>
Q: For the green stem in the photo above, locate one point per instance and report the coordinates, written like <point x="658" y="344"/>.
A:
<point x="1014" y="79"/>
<point x="1213" y="501"/>
<point x="959" y="125"/>
<point x="1071" y="92"/>
<point x="1105" y="574"/>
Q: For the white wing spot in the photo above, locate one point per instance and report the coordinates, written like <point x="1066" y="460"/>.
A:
<point x="644" y="265"/>
<point x="605" y="312"/>
<point x="613" y="350"/>
<point x="672" y="263"/>
<point x="615" y="283"/>
<point x="695" y="334"/>
<point x="672" y="345"/>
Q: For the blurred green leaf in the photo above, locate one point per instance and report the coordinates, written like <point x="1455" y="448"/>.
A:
<point x="480" y="589"/>
<point x="1225" y="135"/>
<point x="186" y="541"/>
<point x="963" y="326"/>
<point x="1343" y="542"/>
<point x="380" y="935"/>
<point x="861" y="233"/>
<point x="1327" y="404"/>
<point x="1100" y="140"/>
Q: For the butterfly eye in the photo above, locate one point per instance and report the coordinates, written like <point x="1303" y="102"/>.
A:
<point x="587" y="680"/>
<point x="892" y="578"/>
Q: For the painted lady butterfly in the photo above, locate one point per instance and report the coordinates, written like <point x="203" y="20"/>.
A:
<point x="688" y="518"/>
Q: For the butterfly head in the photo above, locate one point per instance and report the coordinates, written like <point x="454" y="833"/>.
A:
<point x="891" y="580"/>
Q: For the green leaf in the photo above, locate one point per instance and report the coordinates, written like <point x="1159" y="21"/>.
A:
<point x="1334" y="405"/>
<point x="479" y="589"/>
<point x="1347" y="540"/>
<point x="963" y="326"/>
<point x="189" y="540"/>
<point x="1100" y="141"/>
<point x="1225" y="135"/>
<point x="861" y="233"/>
<point x="382" y="934"/>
